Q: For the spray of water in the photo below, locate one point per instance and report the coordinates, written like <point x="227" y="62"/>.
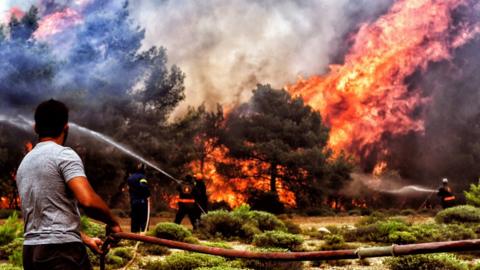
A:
<point x="26" y="124"/>
<point x="124" y="149"/>
<point x="409" y="189"/>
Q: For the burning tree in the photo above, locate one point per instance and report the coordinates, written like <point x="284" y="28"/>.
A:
<point x="287" y="139"/>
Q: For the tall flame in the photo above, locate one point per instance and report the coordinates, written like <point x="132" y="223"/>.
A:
<point x="233" y="191"/>
<point x="57" y="22"/>
<point x="367" y="96"/>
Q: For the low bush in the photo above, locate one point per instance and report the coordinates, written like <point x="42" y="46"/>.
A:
<point x="184" y="261"/>
<point x="381" y="231"/>
<point x="11" y="229"/>
<point x="278" y="239"/>
<point x="292" y="227"/>
<point x="269" y="265"/>
<point x="91" y="228"/>
<point x="220" y="224"/>
<point x="221" y="268"/>
<point x="152" y="249"/>
<point x="473" y="195"/>
<point x="402" y="237"/>
<point x="224" y="245"/>
<point x="435" y="261"/>
<point x="334" y="242"/>
<point x="371" y="219"/>
<point x="172" y="231"/>
<point x="240" y="224"/>
<point x="459" y="214"/>
<point x="452" y="232"/>
<point x="264" y="221"/>
<point x="10" y="267"/>
<point x="12" y="252"/>
<point x="120" y="256"/>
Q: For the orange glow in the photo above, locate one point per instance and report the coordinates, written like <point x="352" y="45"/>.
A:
<point x="14" y="12"/>
<point x="367" y="96"/>
<point x="28" y="147"/>
<point x="233" y="191"/>
<point x="4" y="203"/>
<point x="57" y="22"/>
<point x="379" y="168"/>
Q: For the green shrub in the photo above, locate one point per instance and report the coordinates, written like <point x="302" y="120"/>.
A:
<point x="402" y="237"/>
<point x="16" y="258"/>
<point x="435" y="261"/>
<point x="123" y="252"/>
<point x="172" y="231"/>
<point x="459" y="214"/>
<point x="278" y="239"/>
<point x="120" y="256"/>
<point x="10" y="267"/>
<point x="428" y="232"/>
<point x="452" y="232"/>
<point x="224" y="245"/>
<point x="91" y="228"/>
<point x="184" y="261"/>
<point x="220" y="268"/>
<point x="334" y="242"/>
<point x="11" y="229"/>
<point x="262" y="220"/>
<point x="9" y="249"/>
<point x="268" y="265"/>
<point x="266" y="221"/>
<point x="115" y="261"/>
<point x="371" y="219"/>
<point x="292" y="227"/>
<point x="240" y="224"/>
<point x="379" y="231"/>
<point x="152" y="249"/>
<point x="220" y="224"/>
<point x="473" y="195"/>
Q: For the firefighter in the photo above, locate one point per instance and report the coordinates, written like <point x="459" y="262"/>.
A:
<point x="186" y="203"/>
<point x="139" y="199"/>
<point x="200" y="194"/>
<point x="447" y="199"/>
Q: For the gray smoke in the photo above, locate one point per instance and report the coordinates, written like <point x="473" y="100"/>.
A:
<point x="227" y="47"/>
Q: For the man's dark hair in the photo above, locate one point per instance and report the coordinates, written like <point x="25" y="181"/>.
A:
<point x="50" y="118"/>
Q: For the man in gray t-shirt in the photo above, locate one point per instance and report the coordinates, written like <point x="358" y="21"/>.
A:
<point x="51" y="182"/>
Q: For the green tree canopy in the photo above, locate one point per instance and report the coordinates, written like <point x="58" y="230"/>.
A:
<point x="284" y="132"/>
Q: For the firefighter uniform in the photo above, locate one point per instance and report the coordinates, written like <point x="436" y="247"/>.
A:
<point x="139" y="193"/>
<point x="447" y="199"/>
<point x="187" y="204"/>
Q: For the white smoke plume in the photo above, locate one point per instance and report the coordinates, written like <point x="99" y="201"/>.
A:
<point x="227" y="47"/>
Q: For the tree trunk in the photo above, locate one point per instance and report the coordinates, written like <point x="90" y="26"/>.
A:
<point x="273" y="178"/>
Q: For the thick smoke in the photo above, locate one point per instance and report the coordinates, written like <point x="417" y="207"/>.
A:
<point x="227" y="47"/>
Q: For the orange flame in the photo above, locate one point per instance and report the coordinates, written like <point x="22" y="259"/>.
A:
<point x="57" y="22"/>
<point x="233" y="191"/>
<point x="367" y="97"/>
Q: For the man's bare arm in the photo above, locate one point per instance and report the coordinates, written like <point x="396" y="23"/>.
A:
<point x="93" y="205"/>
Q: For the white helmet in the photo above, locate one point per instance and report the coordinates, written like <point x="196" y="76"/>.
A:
<point x="444" y="180"/>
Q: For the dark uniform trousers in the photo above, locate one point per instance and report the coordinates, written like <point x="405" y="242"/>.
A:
<point x="67" y="256"/>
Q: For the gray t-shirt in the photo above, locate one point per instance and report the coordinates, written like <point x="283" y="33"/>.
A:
<point x="49" y="208"/>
